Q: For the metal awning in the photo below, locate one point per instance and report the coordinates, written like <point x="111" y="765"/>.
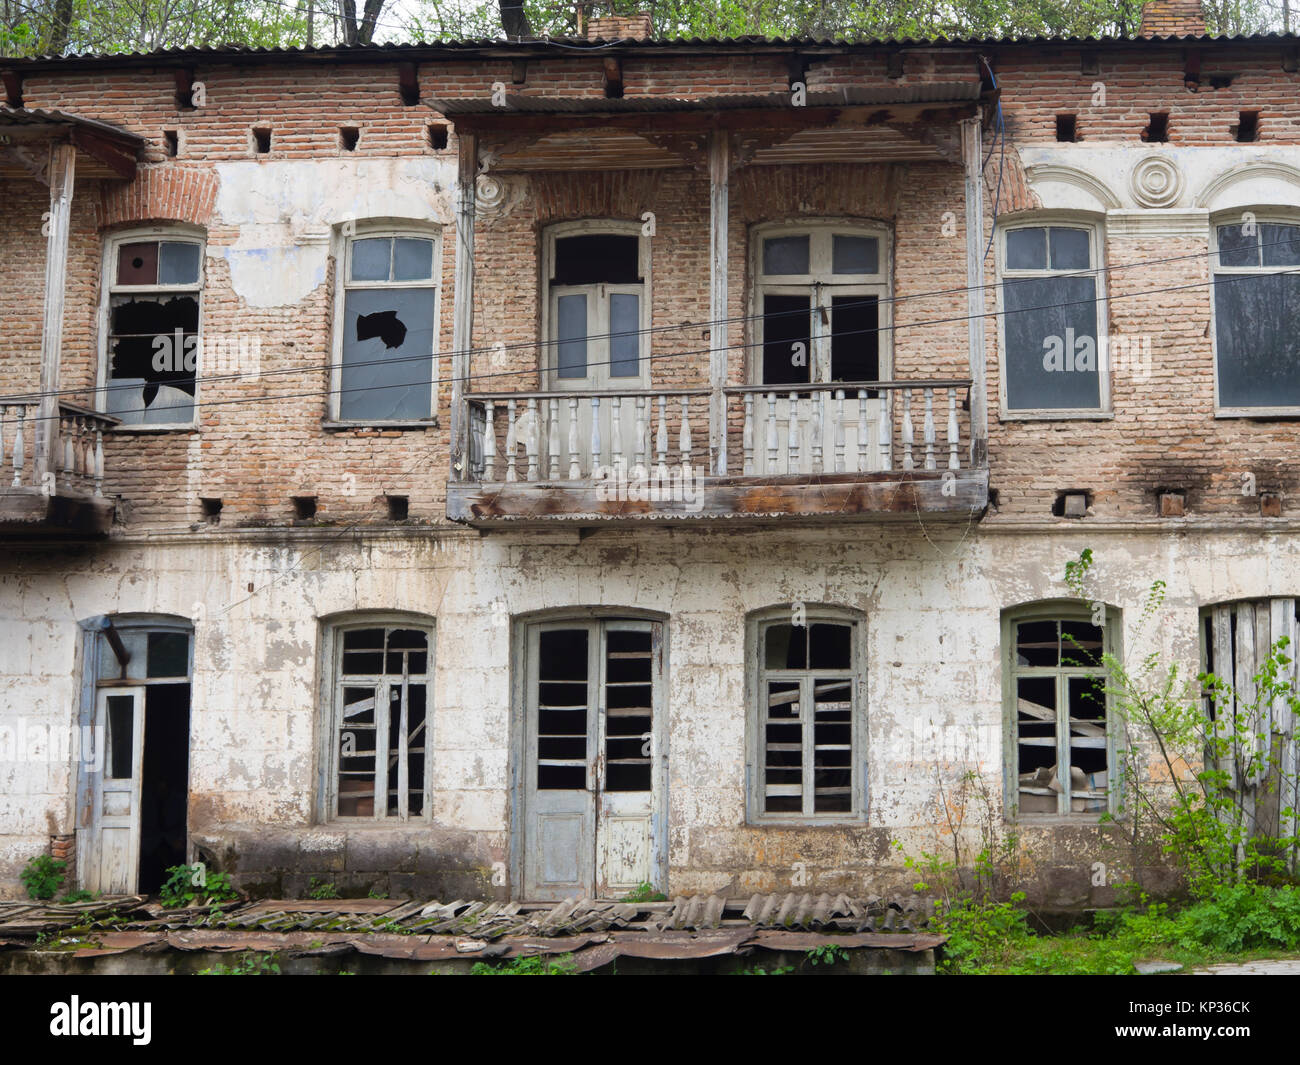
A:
<point x="110" y="151"/>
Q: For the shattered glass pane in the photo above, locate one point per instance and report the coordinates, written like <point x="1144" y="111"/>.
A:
<point x="625" y="350"/>
<point x="854" y="255"/>
<point x="388" y="344"/>
<point x="1027" y="249"/>
<point x="785" y="255"/>
<point x="178" y="264"/>
<point x="137" y="264"/>
<point x="371" y="258"/>
<point x="829" y="646"/>
<point x="153" y="356"/>
<point x="412" y="259"/>
<point x="571" y="353"/>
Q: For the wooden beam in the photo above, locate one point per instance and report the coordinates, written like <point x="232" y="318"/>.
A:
<point x="613" y="77"/>
<point x="408" y="83"/>
<point x="13" y="82"/>
<point x="62" y="173"/>
<point x="117" y="158"/>
<point x="463" y="297"/>
<point x="719" y="173"/>
<point x="972" y="145"/>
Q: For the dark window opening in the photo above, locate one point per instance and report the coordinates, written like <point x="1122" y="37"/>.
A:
<point x="629" y="692"/>
<point x="121" y="732"/>
<point x="398" y="507"/>
<point x="261" y="140"/>
<point x="787" y="339"/>
<point x="211" y="508"/>
<point x="348" y="137"/>
<point x="304" y="508"/>
<point x="437" y="135"/>
<point x="596" y="259"/>
<point x="1247" y="128"/>
<point x="171" y="142"/>
<point x="164" y="784"/>
<point x="562" y="710"/>
<point x="1157" y="129"/>
<point x="1072" y="504"/>
<point x="855" y="338"/>
<point x="1066" y="128"/>
<point x="167" y="655"/>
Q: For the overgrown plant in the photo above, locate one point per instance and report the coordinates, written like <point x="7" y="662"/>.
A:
<point x="188" y="885"/>
<point x="43" y="876"/>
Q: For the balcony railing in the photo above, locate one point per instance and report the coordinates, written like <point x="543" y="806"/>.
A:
<point x="860" y="449"/>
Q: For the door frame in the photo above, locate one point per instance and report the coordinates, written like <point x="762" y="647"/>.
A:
<point x="84" y="806"/>
<point x="519" y="673"/>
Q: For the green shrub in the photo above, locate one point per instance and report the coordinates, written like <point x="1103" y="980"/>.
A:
<point x="248" y="964"/>
<point x="43" y="876"/>
<point x="321" y="889"/>
<point x="187" y="885"/>
<point x="535" y="965"/>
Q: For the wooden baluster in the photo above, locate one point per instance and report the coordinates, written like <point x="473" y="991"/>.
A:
<point x="839" y="430"/>
<point x="661" y="438"/>
<point x="533" y="445"/>
<point x="616" y="457"/>
<point x="792" y="442"/>
<point x="639" y="431"/>
<point x="68" y="432"/>
<point x="489" y="441"/>
<point x="771" y="434"/>
<point x="597" y="459"/>
<point x="907" y="429"/>
<point x="575" y="467"/>
<point x="4" y="410"/>
<point x="929" y="429"/>
<point x="18" y="447"/>
<point x="885" y="431"/>
<point x="817" y="417"/>
<point x="99" y="461"/>
<point x="553" y="439"/>
<point x="864" y="456"/>
<point x="953" y="430"/>
<point x="84" y="459"/>
<point x="512" y="440"/>
<point x="747" y="436"/>
<point x="684" y="435"/>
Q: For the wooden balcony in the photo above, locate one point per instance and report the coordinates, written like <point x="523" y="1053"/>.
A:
<point x="65" y="499"/>
<point x="870" y="450"/>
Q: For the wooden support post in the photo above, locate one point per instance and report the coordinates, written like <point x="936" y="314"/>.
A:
<point x="719" y="175"/>
<point x="62" y="171"/>
<point x="972" y="144"/>
<point x="462" y="330"/>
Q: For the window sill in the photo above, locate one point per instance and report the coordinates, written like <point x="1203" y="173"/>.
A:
<point x="379" y="427"/>
<point x="807" y="822"/>
<point x="190" y="427"/>
<point x="1057" y="416"/>
<point x="1080" y="820"/>
<point x="1270" y="413"/>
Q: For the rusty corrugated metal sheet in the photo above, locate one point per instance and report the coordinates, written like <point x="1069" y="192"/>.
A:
<point x="33" y="117"/>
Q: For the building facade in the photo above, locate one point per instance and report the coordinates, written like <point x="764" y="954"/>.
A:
<point x="504" y="469"/>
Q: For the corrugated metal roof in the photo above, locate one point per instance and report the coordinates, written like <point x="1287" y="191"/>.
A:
<point x="35" y="117"/>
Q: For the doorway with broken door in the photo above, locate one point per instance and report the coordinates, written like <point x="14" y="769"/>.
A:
<point x="594" y="759"/>
<point x="134" y="794"/>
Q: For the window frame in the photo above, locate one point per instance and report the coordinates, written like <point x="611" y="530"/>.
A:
<point x="1059" y="610"/>
<point x="330" y="708"/>
<point x="1097" y="252"/>
<point x="820" y="263"/>
<point x="756" y="674"/>
<point x="597" y="310"/>
<point x="345" y="236"/>
<point x="169" y="233"/>
<point x="1264" y="215"/>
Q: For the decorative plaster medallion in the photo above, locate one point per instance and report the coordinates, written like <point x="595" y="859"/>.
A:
<point x="1156" y="182"/>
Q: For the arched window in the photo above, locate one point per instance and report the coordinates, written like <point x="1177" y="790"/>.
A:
<point x="1060" y="736"/>
<point x="821" y="303"/>
<point x="378" y="683"/>
<point x="153" y="287"/>
<point x="1053" y="320"/>
<point x="807" y="724"/>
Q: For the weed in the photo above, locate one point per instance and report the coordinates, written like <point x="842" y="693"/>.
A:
<point x="190" y="884"/>
<point x="248" y="964"/>
<point x="535" y="965"/>
<point x="321" y="889"/>
<point x="645" y="892"/>
<point x="43" y="876"/>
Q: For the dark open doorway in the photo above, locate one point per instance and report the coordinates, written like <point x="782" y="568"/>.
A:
<point x="164" y="785"/>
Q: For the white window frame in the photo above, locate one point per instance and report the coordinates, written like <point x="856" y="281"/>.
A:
<point x="109" y="288"/>
<point x="332" y="683"/>
<point x="757" y="673"/>
<point x="345" y="236"/>
<point x="598" y="378"/>
<point x="1096" y="252"/>
<point x="1265" y="215"/>
<point x="820" y="284"/>
<point x="1057" y="610"/>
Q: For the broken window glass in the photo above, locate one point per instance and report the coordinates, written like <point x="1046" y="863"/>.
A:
<point x="153" y="341"/>
<point x="562" y="704"/>
<point x="1050" y="320"/>
<point x="382" y="726"/>
<point x="388" y="330"/>
<point x="629" y="694"/>
<point x="1060" y="717"/>
<point x="806" y="716"/>
<point x="1257" y="314"/>
<point x="595" y="309"/>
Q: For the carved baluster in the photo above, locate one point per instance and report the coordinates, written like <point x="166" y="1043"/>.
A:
<point x="929" y="429"/>
<point x="885" y="433"/>
<point x="4" y="410"/>
<point x="907" y="429"/>
<point x="661" y="438"/>
<point x="953" y="430"/>
<point x="771" y="433"/>
<point x="67" y="430"/>
<point x="512" y="439"/>
<point x="792" y="448"/>
<point x="533" y="445"/>
<point x="684" y="434"/>
<point x="817" y="418"/>
<point x="553" y="439"/>
<point x="616" y="457"/>
<point x="99" y="461"/>
<point x="864" y="457"/>
<point x="597" y="460"/>
<point x="747" y="436"/>
<point x="639" y="431"/>
<point x="18" y="447"/>
<point x="839" y="430"/>
<point x="489" y="441"/>
<point x="84" y="458"/>
<point x="575" y="468"/>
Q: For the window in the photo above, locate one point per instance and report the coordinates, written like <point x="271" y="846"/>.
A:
<point x="154" y="284"/>
<point x="378" y="737"/>
<point x="597" y="305"/>
<point x="1051" y="322"/>
<point x="388" y="327"/>
<point x="1057" y="713"/>
<point x="821" y="304"/>
<point x="1257" y="317"/>
<point x="808" y="751"/>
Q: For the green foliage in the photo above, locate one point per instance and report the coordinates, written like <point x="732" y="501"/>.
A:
<point x="377" y="893"/>
<point x="251" y="963"/>
<point x="321" y="889"/>
<point x="43" y="876"/>
<point x="79" y="895"/>
<point x="758" y="970"/>
<point x="188" y="885"/>
<point x="535" y="965"/>
<point x="827" y="954"/>
<point x="645" y="892"/>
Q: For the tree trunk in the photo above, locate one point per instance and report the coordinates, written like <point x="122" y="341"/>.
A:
<point x="513" y="19"/>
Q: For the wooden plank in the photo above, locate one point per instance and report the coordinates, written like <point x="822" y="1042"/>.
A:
<point x="975" y="294"/>
<point x="62" y="174"/>
<point x="719" y="176"/>
<point x="463" y="297"/>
